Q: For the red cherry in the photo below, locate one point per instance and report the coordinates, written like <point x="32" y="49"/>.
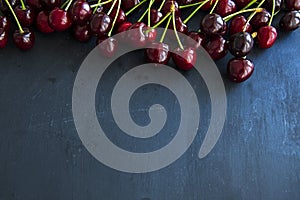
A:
<point x="208" y="5"/>
<point x="292" y="4"/>
<point x="50" y="4"/>
<point x="167" y="7"/>
<point x="158" y="53"/>
<point x="35" y="5"/>
<point x="3" y="38"/>
<point x="4" y="8"/>
<point x="136" y="36"/>
<point x="26" y="17"/>
<point x="59" y="19"/>
<point x="107" y="46"/>
<point x="266" y="36"/>
<point x="239" y="69"/>
<point x="81" y="12"/>
<point x="237" y="25"/>
<point x="82" y="33"/>
<point x="180" y="26"/>
<point x="4" y="23"/>
<point x="199" y="39"/>
<point x="184" y="59"/>
<point x="25" y="40"/>
<point x="124" y="26"/>
<point x="260" y="19"/>
<point x="42" y="22"/>
<point x="225" y="7"/>
<point x="128" y="4"/>
<point x="213" y="24"/>
<point x="100" y="24"/>
<point x="216" y="47"/>
<point x="150" y="34"/>
<point x="121" y="16"/>
<point x="155" y="16"/>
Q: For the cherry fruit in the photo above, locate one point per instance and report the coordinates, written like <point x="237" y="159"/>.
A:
<point x="42" y="22"/>
<point x="3" y="38"/>
<point x="216" y="47"/>
<point x="213" y="24"/>
<point x="238" y="24"/>
<point x="184" y="59"/>
<point x="81" y="12"/>
<point x="107" y="46"/>
<point x="24" y="40"/>
<point x="4" y="23"/>
<point x="158" y="53"/>
<point x="266" y="36"/>
<point x="25" y="16"/>
<point x="240" y="44"/>
<point x="60" y="20"/>
<point x="100" y="24"/>
<point x="239" y="69"/>
<point x="290" y="21"/>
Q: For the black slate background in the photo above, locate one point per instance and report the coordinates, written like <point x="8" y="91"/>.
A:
<point x="41" y="155"/>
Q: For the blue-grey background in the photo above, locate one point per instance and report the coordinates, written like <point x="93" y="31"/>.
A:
<point x="41" y="155"/>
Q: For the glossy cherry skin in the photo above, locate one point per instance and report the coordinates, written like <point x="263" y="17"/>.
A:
<point x="124" y="26"/>
<point x="213" y="24"/>
<point x="81" y="12"/>
<point x="136" y="36"/>
<point x="167" y="7"/>
<point x="239" y="69"/>
<point x="242" y="3"/>
<point x="290" y="21"/>
<point x="4" y="23"/>
<point x="240" y="44"/>
<point x="82" y="33"/>
<point x="237" y="25"/>
<point x="107" y="46"/>
<point x="292" y="4"/>
<point x="100" y="24"/>
<point x="60" y="20"/>
<point x="269" y="5"/>
<point x="25" y="40"/>
<point x="216" y="47"/>
<point x="155" y="16"/>
<point x="35" y="5"/>
<point x="158" y="53"/>
<point x="3" y="38"/>
<point x="180" y="26"/>
<point x="26" y="17"/>
<point x="42" y="22"/>
<point x="128" y="4"/>
<point x="225" y="7"/>
<point x="184" y="59"/>
<point x="208" y="5"/>
<point x="260" y="19"/>
<point x="197" y="39"/>
<point x="50" y="4"/>
<point x="120" y="18"/>
<point x="266" y="36"/>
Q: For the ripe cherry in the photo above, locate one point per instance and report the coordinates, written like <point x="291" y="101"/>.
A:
<point x="239" y="69"/>
<point x="24" y="40"/>
<point x="100" y="24"/>
<point x="3" y="38"/>
<point x="155" y="16"/>
<point x="199" y="39"/>
<point x="158" y="53"/>
<point x="213" y="24"/>
<point x="81" y="12"/>
<point x="240" y="44"/>
<point x="292" y="4"/>
<point x="42" y="22"/>
<point x="4" y="23"/>
<point x="25" y="16"/>
<point x="82" y="33"/>
<point x="260" y="19"/>
<point x="242" y="3"/>
<point x="136" y="36"/>
<point x="180" y="26"/>
<point x="266" y="36"/>
<point x="35" y="5"/>
<point x="4" y="8"/>
<point x="208" y="5"/>
<point x="269" y="5"/>
<point x="60" y="19"/>
<point x="50" y="4"/>
<point x="290" y="21"/>
<point x="237" y="25"/>
<point x="167" y="7"/>
<point x="216" y="47"/>
<point x="107" y="46"/>
<point x="121" y="16"/>
<point x="128" y="4"/>
<point x="184" y="59"/>
<point x="225" y="7"/>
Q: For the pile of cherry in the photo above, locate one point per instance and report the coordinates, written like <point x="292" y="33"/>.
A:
<point x="229" y="25"/>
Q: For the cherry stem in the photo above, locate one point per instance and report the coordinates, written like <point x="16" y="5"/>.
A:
<point x="213" y="8"/>
<point x="252" y="15"/>
<point x="143" y="15"/>
<point x="227" y="18"/>
<point x="149" y="12"/>
<point x="135" y="7"/>
<point x="112" y="7"/>
<point x="100" y="4"/>
<point x="99" y="1"/>
<point x="160" y="22"/>
<point x="68" y="6"/>
<point x="249" y="4"/>
<point x="16" y="18"/>
<point x="165" y="30"/>
<point x="64" y="4"/>
<point x="23" y="5"/>
<point x="161" y="5"/>
<point x="192" y="4"/>
<point x="273" y="11"/>
<point x="175" y="30"/>
<point x="195" y="11"/>
<point x="115" y="19"/>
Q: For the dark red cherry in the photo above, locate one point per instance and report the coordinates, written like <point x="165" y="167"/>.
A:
<point x="240" y="44"/>
<point x="121" y="16"/>
<point x="60" y="19"/>
<point x="155" y="16"/>
<point x="180" y="26"/>
<point x="260" y="19"/>
<point x="3" y="38"/>
<point x="4" y="23"/>
<point x="184" y="59"/>
<point x="195" y="39"/>
<point x="185" y="2"/>
<point x="81" y="12"/>
<point x="213" y="24"/>
<point x="42" y="22"/>
<point x="124" y="26"/>
<point x="25" y="16"/>
<point x="269" y="5"/>
<point x="208" y="5"/>
<point x="128" y="4"/>
<point x="4" y="8"/>
<point x="158" y="53"/>
<point x="290" y="21"/>
<point x="266" y="36"/>
<point x="150" y="34"/>
<point x="225" y="7"/>
<point x="292" y="4"/>
<point x="107" y="46"/>
<point x="50" y="4"/>
<point x="237" y="25"/>
<point x="216" y="47"/>
<point x="100" y="24"/>
<point x="136" y="36"/>
<point x="239" y="69"/>
<point x="35" y="5"/>
<point x="167" y="7"/>
<point x="242" y="3"/>
<point x="25" y="40"/>
<point x="82" y="33"/>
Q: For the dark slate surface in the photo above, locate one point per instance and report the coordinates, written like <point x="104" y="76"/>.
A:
<point x="41" y="155"/>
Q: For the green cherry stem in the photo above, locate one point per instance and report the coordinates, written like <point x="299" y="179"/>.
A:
<point x="213" y="8"/>
<point x="23" y="5"/>
<point x="175" y="30"/>
<point x="272" y="15"/>
<point x="100" y="4"/>
<point x="68" y="6"/>
<point x="64" y="4"/>
<point x="16" y="18"/>
<point x="115" y="19"/>
<point x="249" y="4"/>
<point x="135" y="7"/>
<point x="160" y="22"/>
<point x="149" y="12"/>
<point x="227" y="18"/>
<point x="252" y="15"/>
<point x="112" y="7"/>
<point x="161" y="5"/>
<point x="165" y="30"/>
<point x="195" y="11"/>
<point x="191" y="5"/>
<point x="144" y="14"/>
<point x="95" y="9"/>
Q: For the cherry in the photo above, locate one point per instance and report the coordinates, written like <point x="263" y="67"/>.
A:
<point x="290" y="21"/>
<point x="213" y="24"/>
<point x="137" y="37"/>
<point x="269" y="5"/>
<point x="42" y="22"/>
<point x="196" y="36"/>
<point x="107" y="46"/>
<point x="35" y="5"/>
<point x="82" y="33"/>
<point x="167" y="7"/>
<point x="185" y="2"/>
<point x="26" y="16"/>
<point x="100" y="24"/>
<point x="240" y="44"/>
<point x="292" y="4"/>
<point x="266" y="36"/>
<point x="237" y="25"/>
<point x="124" y="26"/>
<point x="128" y="4"/>
<point x="180" y="26"/>
<point x="225" y="7"/>
<point x="239" y="69"/>
<point x="81" y="12"/>
<point x="4" y="23"/>
<point x="60" y="19"/>
<point x="121" y="16"/>
<point x="155" y="16"/>
<point x="158" y="53"/>
<point x="260" y="19"/>
<point x="50" y="4"/>
<point x="208" y="5"/>
<point x="242" y="3"/>
<point x="4" y="8"/>
<point x="3" y="38"/>
<point x="150" y="34"/>
<point x="184" y="59"/>
<point x="216" y="47"/>
<point x="24" y="40"/>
